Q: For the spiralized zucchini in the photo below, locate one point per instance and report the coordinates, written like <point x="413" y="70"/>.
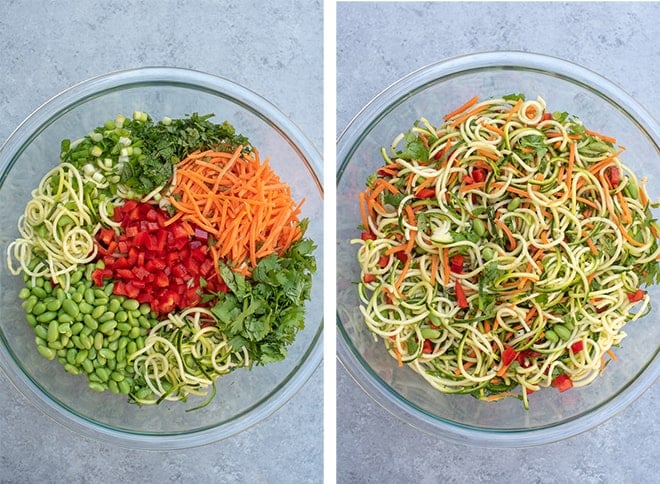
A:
<point x="56" y="229"/>
<point x="184" y="355"/>
<point x="505" y="248"/>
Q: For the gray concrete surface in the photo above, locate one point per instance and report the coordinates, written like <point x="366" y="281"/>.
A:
<point x="377" y="43"/>
<point x="273" y="48"/>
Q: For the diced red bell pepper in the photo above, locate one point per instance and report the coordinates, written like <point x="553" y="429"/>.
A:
<point x="478" y="175"/>
<point x="636" y="296"/>
<point x="456" y="263"/>
<point x="508" y="355"/>
<point x="427" y="347"/>
<point x="614" y="176"/>
<point x="562" y="382"/>
<point x="367" y="236"/>
<point x="426" y="193"/>
<point x="577" y="346"/>
<point x="460" y="296"/>
<point x="369" y="278"/>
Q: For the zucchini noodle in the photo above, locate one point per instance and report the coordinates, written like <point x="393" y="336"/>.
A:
<point x="56" y="230"/>
<point x="504" y="249"/>
<point x="183" y="355"/>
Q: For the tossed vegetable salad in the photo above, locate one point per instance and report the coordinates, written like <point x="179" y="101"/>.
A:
<point x="158" y="256"/>
<point x="504" y="250"/>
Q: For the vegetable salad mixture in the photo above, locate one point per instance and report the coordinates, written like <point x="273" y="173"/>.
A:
<point x="159" y="256"/>
<point x="504" y="250"/>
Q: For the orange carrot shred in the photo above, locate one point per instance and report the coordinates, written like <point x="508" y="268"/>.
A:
<point x="240" y="201"/>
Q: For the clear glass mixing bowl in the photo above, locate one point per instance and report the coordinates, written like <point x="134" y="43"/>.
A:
<point x="243" y="397"/>
<point x="432" y="92"/>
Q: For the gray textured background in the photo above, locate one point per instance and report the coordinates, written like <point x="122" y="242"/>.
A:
<point x="376" y="45"/>
<point x="45" y="47"/>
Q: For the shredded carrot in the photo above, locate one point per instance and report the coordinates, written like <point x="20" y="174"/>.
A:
<point x="612" y="355"/>
<point x="488" y="154"/>
<point x="509" y="188"/>
<point x="466" y="115"/>
<point x="424" y="184"/>
<point x="462" y="108"/>
<point x="472" y="186"/>
<point x="626" y="215"/>
<point x="397" y="353"/>
<point x="515" y="108"/>
<point x="445" y="266"/>
<point x="241" y="202"/>
<point x="604" y="163"/>
<point x="402" y="276"/>
<point x="507" y="231"/>
<point x="592" y="247"/>
<point x="492" y="128"/>
<point x="571" y="162"/>
<point x="602" y="137"/>
<point x="363" y="210"/>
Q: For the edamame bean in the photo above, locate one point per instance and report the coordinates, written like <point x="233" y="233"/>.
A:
<point x="124" y="327"/>
<point x="74" y="370"/>
<point x="38" y="308"/>
<point x="71" y="356"/>
<point x="551" y="336"/>
<point x="107" y="353"/>
<point x="430" y="333"/>
<point x="121" y="316"/>
<point x="124" y="387"/>
<point x="41" y="332"/>
<point x="478" y="227"/>
<point x="120" y="355"/>
<point x="513" y="204"/>
<point x="99" y="311"/>
<point x="114" y="305"/>
<point x="77" y="297"/>
<point x="98" y="341"/>
<point x="88" y="366"/>
<point x="103" y="374"/>
<point x="56" y="345"/>
<point x="487" y="253"/>
<point x="53" y="332"/>
<point x="46" y="352"/>
<point x="76" y="276"/>
<point x="131" y="347"/>
<point x="90" y="322"/>
<point x="24" y="293"/>
<point x="31" y="320"/>
<point x="89" y="296"/>
<point x="63" y="317"/>
<point x="77" y="328"/>
<point x="53" y="305"/>
<point x="39" y="292"/>
<point x="80" y="357"/>
<point x="70" y="307"/>
<point x="29" y="303"/>
<point x="131" y="305"/>
<point x="107" y="316"/>
<point x="562" y="331"/>
<point x="108" y="327"/>
<point x="116" y="334"/>
<point x="114" y="388"/>
<point x="47" y="317"/>
<point x="85" y="307"/>
<point x="96" y="386"/>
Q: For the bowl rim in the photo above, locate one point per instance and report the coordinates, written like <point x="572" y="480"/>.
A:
<point x="350" y="137"/>
<point x="222" y="87"/>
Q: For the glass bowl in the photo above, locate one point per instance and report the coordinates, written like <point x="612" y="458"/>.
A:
<point x="431" y="92"/>
<point x="243" y="397"/>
